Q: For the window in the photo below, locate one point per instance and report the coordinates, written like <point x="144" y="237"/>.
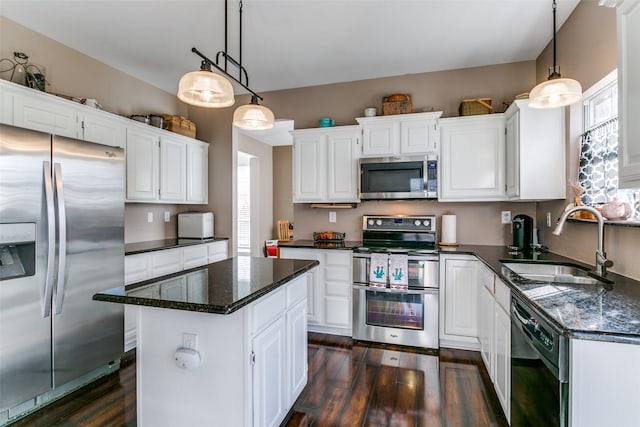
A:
<point x="598" y="170"/>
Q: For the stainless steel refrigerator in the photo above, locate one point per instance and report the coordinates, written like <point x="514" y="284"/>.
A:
<point x="61" y="240"/>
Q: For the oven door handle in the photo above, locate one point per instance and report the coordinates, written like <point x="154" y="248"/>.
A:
<point x="425" y="291"/>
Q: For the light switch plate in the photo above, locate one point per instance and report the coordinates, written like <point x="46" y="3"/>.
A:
<point x="149" y="216"/>
<point x="167" y="216"/>
<point x="332" y="216"/>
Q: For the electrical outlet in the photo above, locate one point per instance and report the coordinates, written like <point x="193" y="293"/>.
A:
<point x="505" y="217"/>
<point x="190" y="341"/>
<point x="167" y="216"/>
<point x="149" y="216"/>
<point x="548" y="219"/>
<point x="332" y="216"/>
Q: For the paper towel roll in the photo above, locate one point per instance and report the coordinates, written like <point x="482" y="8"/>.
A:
<point x="448" y="229"/>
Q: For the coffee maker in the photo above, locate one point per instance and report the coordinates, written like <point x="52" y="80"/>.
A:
<point x="522" y="229"/>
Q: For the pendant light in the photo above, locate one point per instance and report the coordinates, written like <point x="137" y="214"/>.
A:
<point x="206" y="88"/>
<point x="556" y="91"/>
<point x="253" y="116"/>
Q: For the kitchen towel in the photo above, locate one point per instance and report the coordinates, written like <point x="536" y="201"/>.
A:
<point x="399" y="272"/>
<point x="448" y="230"/>
<point x="378" y="270"/>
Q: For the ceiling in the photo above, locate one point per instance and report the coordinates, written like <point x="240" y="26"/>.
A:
<point x="296" y="43"/>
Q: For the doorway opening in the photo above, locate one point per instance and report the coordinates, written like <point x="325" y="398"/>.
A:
<point x="244" y="203"/>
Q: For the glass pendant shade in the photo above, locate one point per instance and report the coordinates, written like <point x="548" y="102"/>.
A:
<point x="556" y="92"/>
<point x="253" y="117"/>
<point x="205" y="89"/>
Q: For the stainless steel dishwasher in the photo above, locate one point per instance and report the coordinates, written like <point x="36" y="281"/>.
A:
<point x="539" y="369"/>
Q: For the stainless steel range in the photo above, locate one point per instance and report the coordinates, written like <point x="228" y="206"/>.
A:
<point x="381" y="314"/>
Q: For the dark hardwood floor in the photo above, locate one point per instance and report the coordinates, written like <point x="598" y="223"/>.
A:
<point x="349" y="384"/>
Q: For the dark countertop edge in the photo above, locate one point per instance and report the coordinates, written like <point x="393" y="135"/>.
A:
<point x="159" y="245"/>
<point x="623" y="338"/>
<point x="310" y="244"/>
<point x="117" y="295"/>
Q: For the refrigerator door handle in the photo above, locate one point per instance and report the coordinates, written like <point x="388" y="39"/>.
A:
<point x="51" y="245"/>
<point x="62" y="237"/>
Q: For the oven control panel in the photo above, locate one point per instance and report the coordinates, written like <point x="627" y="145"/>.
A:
<point x="399" y="223"/>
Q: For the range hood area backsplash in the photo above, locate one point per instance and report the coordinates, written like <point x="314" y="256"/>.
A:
<point x="477" y="223"/>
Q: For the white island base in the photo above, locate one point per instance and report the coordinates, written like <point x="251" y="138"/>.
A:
<point x="253" y="362"/>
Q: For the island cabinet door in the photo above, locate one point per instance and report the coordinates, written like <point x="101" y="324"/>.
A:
<point x="269" y="378"/>
<point x="296" y="350"/>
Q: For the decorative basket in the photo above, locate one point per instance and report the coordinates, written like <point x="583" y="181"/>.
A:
<point x="179" y="124"/>
<point x="396" y="104"/>
<point x="472" y="107"/>
<point x="328" y="236"/>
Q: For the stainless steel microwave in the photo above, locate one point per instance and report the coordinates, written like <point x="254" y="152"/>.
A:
<point x="399" y="177"/>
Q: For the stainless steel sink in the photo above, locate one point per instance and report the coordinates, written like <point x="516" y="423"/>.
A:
<point x="554" y="273"/>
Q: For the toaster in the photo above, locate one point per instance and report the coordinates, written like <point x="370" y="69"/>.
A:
<point x="195" y="225"/>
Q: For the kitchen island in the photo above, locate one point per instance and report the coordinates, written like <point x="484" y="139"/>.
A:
<point x="221" y="345"/>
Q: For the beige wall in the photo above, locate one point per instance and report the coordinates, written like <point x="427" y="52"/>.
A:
<point x="282" y="185"/>
<point x="586" y="46"/>
<point x="72" y="73"/>
<point x="439" y="90"/>
<point x="477" y="223"/>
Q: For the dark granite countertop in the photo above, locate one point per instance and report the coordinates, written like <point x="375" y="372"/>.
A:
<point x="221" y="287"/>
<point x="310" y="244"/>
<point x="594" y="312"/>
<point x="158" y="245"/>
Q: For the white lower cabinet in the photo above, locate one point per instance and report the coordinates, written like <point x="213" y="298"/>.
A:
<point x="194" y="256"/>
<point x="494" y="333"/>
<point x="459" y="301"/>
<point x="278" y="352"/>
<point x="253" y="363"/>
<point x="329" y="296"/>
<point x="269" y="379"/>
<point x="296" y="350"/>
<point x="217" y="251"/>
<point x="603" y="384"/>
<point x="502" y="346"/>
<point x="147" y="265"/>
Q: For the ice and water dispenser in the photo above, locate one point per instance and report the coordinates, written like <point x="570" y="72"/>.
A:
<point x="17" y="250"/>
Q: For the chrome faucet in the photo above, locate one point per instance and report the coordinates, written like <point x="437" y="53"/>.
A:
<point x="602" y="263"/>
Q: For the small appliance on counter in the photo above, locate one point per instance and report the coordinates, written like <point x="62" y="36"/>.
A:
<point x="195" y="225"/>
<point x="522" y="230"/>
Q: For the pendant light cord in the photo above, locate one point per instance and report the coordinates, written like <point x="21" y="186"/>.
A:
<point x="554" y="74"/>
<point x="554" y="36"/>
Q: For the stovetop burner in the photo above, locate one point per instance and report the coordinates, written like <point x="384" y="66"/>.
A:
<point x="413" y="235"/>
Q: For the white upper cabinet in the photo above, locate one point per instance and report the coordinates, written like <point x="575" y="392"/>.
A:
<point x="472" y="158"/>
<point x="380" y="137"/>
<point x="309" y="166"/>
<point x="197" y="168"/>
<point x="628" y="15"/>
<point x="31" y="109"/>
<point x="325" y="164"/>
<point x="162" y="167"/>
<point x="342" y="166"/>
<point x="400" y="134"/>
<point x="142" y="157"/>
<point x="165" y="168"/>
<point x="535" y="152"/>
<point x="173" y="165"/>
<point x="104" y="129"/>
